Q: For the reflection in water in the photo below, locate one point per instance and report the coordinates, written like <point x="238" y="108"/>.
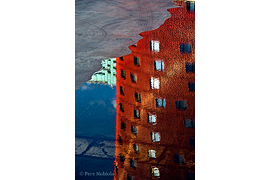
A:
<point x="155" y="125"/>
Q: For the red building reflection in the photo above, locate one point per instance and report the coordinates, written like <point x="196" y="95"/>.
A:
<point x="155" y="126"/>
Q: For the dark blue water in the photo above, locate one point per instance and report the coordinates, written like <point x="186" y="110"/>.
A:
<point x="95" y="121"/>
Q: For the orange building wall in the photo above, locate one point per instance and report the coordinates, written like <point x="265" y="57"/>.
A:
<point x="180" y="28"/>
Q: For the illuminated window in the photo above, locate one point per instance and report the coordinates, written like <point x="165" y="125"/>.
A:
<point x="155" y="171"/>
<point x="154" y="45"/>
<point x="122" y="90"/>
<point x="191" y="6"/>
<point x="134" y="130"/>
<point x="136" y="61"/>
<point x="152" y="118"/>
<point x="181" y="105"/>
<point x="123" y="74"/>
<point x="136" y="148"/>
<point x="152" y="153"/>
<point x="159" y="65"/>
<point x="179" y="159"/>
<point x="185" y="48"/>
<point x="155" y="136"/>
<point x="191" y="86"/>
<point x="137" y="114"/>
<point x="133" y="163"/>
<point x="133" y="78"/>
<point x="160" y="103"/>
<point x="138" y="97"/>
<point x="154" y="83"/>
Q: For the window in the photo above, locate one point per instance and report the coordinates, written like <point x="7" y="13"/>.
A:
<point x="185" y="48"/>
<point x="154" y="83"/>
<point x="137" y="114"/>
<point x="129" y="177"/>
<point x="191" y="176"/>
<point x="152" y="118"/>
<point x="152" y="153"/>
<point x="191" y="86"/>
<point x="121" y="107"/>
<point x="120" y="140"/>
<point x="154" y="45"/>
<point x="192" y="141"/>
<point x="134" y="130"/>
<point x="138" y="97"/>
<point x="181" y="105"/>
<point x="133" y="163"/>
<point x="122" y="58"/>
<point x="159" y="65"/>
<point x="190" y="67"/>
<point x="155" y="171"/>
<point x="135" y="45"/>
<point x="189" y="123"/>
<point x="191" y="6"/>
<point x="136" y="148"/>
<point x="179" y="159"/>
<point x="160" y="103"/>
<point x="123" y="125"/>
<point x="155" y="136"/>
<point x="122" y="157"/>
<point x="122" y="90"/>
<point x="133" y="78"/>
<point x="136" y="61"/>
<point x="123" y="74"/>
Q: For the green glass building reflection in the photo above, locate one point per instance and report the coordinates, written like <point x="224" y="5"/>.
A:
<point x="106" y="75"/>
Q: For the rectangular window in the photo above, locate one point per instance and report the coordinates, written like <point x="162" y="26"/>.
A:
<point x="129" y="177"/>
<point x="136" y="61"/>
<point x="134" y="130"/>
<point x="154" y="45"/>
<point x="123" y="125"/>
<point x="133" y="163"/>
<point x="190" y="67"/>
<point x="135" y="45"/>
<point x="133" y="78"/>
<point x="189" y="123"/>
<point x="155" y="171"/>
<point x="154" y="83"/>
<point x="122" y="58"/>
<point x="123" y="74"/>
<point x="122" y="157"/>
<point x="137" y="114"/>
<point x="152" y="118"/>
<point x="192" y="141"/>
<point x="181" y="105"/>
<point x="138" y="97"/>
<point x="191" y="86"/>
<point x="155" y="136"/>
<point x="122" y="90"/>
<point x="152" y="153"/>
<point x="121" y="107"/>
<point x="159" y="65"/>
<point x="136" y="148"/>
<point x="185" y="48"/>
<point x="160" y="103"/>
<point x="179" y="159"/>
<point x="190" y="6"/>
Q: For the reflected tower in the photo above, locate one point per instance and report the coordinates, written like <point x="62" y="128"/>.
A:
<point x="155" y="128"/>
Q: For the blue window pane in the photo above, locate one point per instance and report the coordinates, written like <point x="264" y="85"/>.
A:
<point x="191" y="86"/>
<point x="192" y="141"/>
<point x="159" y="102"/>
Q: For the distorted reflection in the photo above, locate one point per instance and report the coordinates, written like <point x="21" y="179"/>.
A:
<point x="155" y="125"/>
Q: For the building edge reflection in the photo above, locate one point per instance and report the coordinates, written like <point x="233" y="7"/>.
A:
<point x="155" y="127"/>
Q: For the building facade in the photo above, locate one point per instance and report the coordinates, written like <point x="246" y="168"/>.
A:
<point x="155" y="128"/>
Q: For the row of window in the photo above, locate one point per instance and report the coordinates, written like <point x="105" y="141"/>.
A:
<point x="182" y="104"/>
<point x="184" y="47"/>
